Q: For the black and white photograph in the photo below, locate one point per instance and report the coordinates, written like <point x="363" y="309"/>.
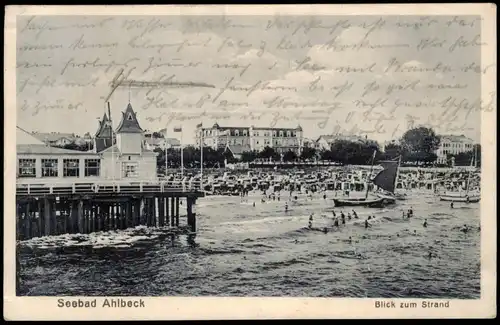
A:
<point x="276" y="155"/>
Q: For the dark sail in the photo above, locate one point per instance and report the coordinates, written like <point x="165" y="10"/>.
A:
<point x="386" y="179"/>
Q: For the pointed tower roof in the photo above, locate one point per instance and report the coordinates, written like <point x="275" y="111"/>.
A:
<point x="104" y="129"/>
<point x="129" y="123"/>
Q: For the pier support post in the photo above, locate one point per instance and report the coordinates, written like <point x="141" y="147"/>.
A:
<point x="128" y="217"/>
<point x="40" y="218"/>
<point x="47" y="216"/>
<point x="190" y="218"/>
<point x="80" y="217"/>
<point x="142" y="211"/>
<point x="161" y="212"/>
<point x="153" y="206"/>
<point x="95" y="225"/>
<point x="167" y="211"/>
<point x="27" y="221"/>
<point x="172" y="212"/>
<point x="177" y="199"/>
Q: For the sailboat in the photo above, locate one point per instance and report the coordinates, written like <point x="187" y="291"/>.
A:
<point x="467" y="196"/>
<point x="386" y="180"/>
<point x="376" y="202"/>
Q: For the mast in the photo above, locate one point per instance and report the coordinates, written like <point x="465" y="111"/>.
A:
<point x="397" y="174"/>
<point x="370" y="174"/>
<point x="473" y="161"/>
<point x="112" y="143"/>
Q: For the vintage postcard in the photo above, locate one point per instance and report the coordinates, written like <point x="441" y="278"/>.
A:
<point x="250" y="162"/>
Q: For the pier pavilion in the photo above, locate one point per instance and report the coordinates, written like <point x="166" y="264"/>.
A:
<point x="115" y="187"/>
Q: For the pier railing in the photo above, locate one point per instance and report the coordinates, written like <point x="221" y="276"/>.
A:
<point x="108" y="187"/>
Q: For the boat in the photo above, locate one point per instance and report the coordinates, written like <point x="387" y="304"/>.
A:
<point x="467" y="196"/>
<point x="377" y="202"/>
<point x="371" y="203"/>
<point x="386" y="181"/>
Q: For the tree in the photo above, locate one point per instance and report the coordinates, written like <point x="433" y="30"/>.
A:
<point x="391" y="151"/>
<point x="289" y="156"/>
<point x="249" y="156"/>
<point x="354" y="152"/>
<point x="267" y="153"/>
<point x="420" y="139"/>
<point x="308" y="153"/>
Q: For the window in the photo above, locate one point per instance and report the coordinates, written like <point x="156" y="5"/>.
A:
<point x="129" y="117"/>
<point x="27" y="168"/>
<point x="49" y="168"/>
<point x="281" y="133"/>
<point x="288" y="133"/>
<point x="92" y="167"/>
<point x="71" y="168"/>
<point x="130" y="169"/>
<point x="236" y="133"/>
<point x="244" y="133"/>
<point x="274" y="133"/>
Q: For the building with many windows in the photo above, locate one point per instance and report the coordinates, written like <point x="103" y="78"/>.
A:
<point x="453" y="144"/>
<point x="241" y="139"/>
<point x="126" y="159"/>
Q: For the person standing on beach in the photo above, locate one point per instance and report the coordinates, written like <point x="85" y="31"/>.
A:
<point x="425" y="223"/>
<point x="310" y="220"/>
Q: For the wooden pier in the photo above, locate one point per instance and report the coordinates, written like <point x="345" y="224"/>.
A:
<point x="45" y="209"/>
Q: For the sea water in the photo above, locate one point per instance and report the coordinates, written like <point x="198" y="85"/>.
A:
<point x="262" y="250"/>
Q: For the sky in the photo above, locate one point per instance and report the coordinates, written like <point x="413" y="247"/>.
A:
<point x="367" y="75"/>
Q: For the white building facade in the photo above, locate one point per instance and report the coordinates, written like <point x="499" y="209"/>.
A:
<point x="251" y="138"/>
<point x="453" y="144"/>
<point x="127" y="159"/>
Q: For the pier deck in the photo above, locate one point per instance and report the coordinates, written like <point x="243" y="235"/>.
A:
<point x="59" y="207"/>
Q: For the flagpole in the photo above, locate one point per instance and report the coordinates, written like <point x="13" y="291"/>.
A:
<point x="182" y="156"/>
<point x="201" y="158"/>
<point x="166" y="157"/>
<point x="370" y="175"/>
<point x="112" y="144"/>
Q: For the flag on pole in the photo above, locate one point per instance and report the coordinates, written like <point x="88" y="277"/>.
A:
<point x="199" y="125"/>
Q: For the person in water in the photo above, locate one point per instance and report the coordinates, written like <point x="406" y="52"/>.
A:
<point x="310" y="220"/>
<point x="325" y="230"/>
<point x="349" y="215"/>
<point x="342" y="214"/>
<point x="369" y="217"/>
<point x="254" y="204"/>
<point x="334" y="215"/>
<point x="451" y="205"/>
<point x="465" y="229"/>
<point x="286" y="207"/>
<point x="324" y="196"/>
<point x="410" y="212"/>
<point x="425" y="223"/>
<point x="336" y="222"/>
<point x="367" y="224"/>
<point x="350" y="239"/>
<point x="354" y="214"/>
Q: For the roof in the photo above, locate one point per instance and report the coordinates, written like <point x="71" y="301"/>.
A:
<point x="160" y="141"/>
<point x="455" y="138"/>
<point x="238" y="149"/>
<point x="129" y="122"/>
<point x="43" y="149"/>
<point x="104" y="130"/>
<point x="52" y="136"/>
<point x="330" y="138"/>
<point x="115" y="149"/>
<point x="24" y="137"/>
